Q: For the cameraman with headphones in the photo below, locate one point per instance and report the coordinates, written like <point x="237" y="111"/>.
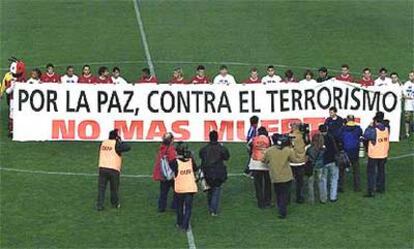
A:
<point x="277" y="158"/>
<point x="110" y="162"/>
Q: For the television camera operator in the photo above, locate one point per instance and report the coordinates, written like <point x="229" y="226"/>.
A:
<point x="278" y="157"/>
<point x="299" y="137"/>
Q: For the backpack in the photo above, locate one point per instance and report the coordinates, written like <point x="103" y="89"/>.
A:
<point x="166" y="170"/>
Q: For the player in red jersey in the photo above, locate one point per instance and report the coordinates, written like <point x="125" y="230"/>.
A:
<point x="366" y="79"/>
<point x="178" y="77"/>
<point x="87" y="77"/>
<point x="50" y="76"/>
<point x="200" y="77"/>
<point x="146" y="77"/>
<point x="104" y="76"/>
<point x="253" y="78"/>
<point x="345" y="75"/>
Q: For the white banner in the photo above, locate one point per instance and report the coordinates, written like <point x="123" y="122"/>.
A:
<point x="143" y="112"/>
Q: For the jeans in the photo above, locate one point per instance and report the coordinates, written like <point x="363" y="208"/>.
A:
<point x="333" y="172"/>
<point x="105" y="176"/>
<point x="185" y="203"/>
<point x="299" y="174"/>
<point x="376" y="175"/>
<point x="165" y="187"/>
<point x="282" y="196"/>
<point x="213" y="197"/>
<point x="262" y="186"/>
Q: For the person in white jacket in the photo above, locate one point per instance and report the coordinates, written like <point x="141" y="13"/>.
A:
<point x="34" y="76"/>
<point x="116" y="76"/>
<point x="224" y="77"/>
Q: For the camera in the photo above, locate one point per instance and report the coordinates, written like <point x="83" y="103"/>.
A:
<point x="282" y="140"/>
<point x="305" y="130"/>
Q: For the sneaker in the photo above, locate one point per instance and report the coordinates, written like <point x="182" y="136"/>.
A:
<point x="214" y="214"/>
<point x="117" y="206"/>
<point x="282" y="216"/>
<point x="369" y="195"/>
<point x="99" y="208"/>
<point x="334" y="200"/>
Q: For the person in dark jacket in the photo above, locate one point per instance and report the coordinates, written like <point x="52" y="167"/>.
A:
<point x="351" y="136"/>
<point x="251" y="133"/>
<point x="377" y="135"/>
<point x="110" y="162"/>
<point x="334" y="124"/>
<point x="185" y="187"/>
<point x="323" y="75"/>
<point x="329" y="162"/>
<point x="168" y="150"/>
<point x="212" y="157"/>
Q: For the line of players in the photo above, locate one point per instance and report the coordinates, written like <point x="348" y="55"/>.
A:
<point x="223" y="77"/>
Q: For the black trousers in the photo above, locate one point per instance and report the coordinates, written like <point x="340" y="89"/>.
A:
<point x="105" y="176"/>
<point x="282" y="196"/>
<point x="376" y="175"/>
<point x="299" y="174"/>
<point x="184" y="207"/>
<point x="165" y="187"/>
<point x="262" y="186"/>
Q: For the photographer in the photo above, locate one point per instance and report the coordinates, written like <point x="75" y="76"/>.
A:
<point x="212" y="157"/>
<point x="110" y="162"/>
<point x="259" y="169"/>
<point x="278" y="157"/>
<point x="185" y="186"/>
<point x="299" y="159"/>
<point x="378" y="137"/>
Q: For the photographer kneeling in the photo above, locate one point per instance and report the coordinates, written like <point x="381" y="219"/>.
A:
<point x="278" y="157"/>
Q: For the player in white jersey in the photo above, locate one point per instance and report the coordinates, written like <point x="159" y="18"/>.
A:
<point x="224" y="77"/>
<point x="308" y="78"/>
<point x="271" y="76"/>
<point x="116" y="76"/>
<point x="383" y="79"/>
<point x="34" y="76"/>
<point x="408" y="95"/>
<point x="70" y="76"/>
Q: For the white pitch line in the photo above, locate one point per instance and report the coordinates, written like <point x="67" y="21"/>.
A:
<point x="42" y="172"/>
<point x="190" y="238"/>
<point x="143" y="37"/>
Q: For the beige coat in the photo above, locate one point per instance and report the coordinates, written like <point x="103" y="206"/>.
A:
<point x="299" y="149"/>
<point x="278" y="163"/>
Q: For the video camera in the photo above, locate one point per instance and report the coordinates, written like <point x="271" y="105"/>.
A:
<point x="305" y="130"/>
<point x="282" y="140"/>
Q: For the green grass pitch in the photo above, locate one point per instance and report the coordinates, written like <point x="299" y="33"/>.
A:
<point x="44" y="211"/>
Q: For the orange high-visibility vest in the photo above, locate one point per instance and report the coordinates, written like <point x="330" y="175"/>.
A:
<point x="382" y="145"/>
<point x="185" y="181"/>
<point x="259" y="145"/>
<point x="108" y="158"/>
